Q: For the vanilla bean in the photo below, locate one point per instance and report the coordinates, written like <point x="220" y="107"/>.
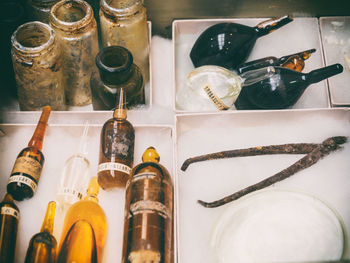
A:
<point x="291" y="148"/>
<point x="322" y="150"/>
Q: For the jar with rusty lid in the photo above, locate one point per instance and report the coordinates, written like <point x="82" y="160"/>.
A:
<point x="124" y="23"/>
<point x="76" y="30"/>
<point x="37" y="66"/>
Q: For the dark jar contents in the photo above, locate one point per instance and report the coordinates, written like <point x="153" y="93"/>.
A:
<point x="116" y="68"/>
<point x="37" y="65"/>
<point x="76" y="31"/>
<point x="148" y="219"/>
<point x="229" y="44"/>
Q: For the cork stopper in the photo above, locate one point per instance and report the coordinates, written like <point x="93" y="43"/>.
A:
<point x="120" y="110"/>
<point x="150" y="155"/>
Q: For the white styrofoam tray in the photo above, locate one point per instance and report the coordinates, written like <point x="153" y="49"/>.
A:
<point x="299" y="35"/>
<point x="61" y="141"/>
<point x="199" y="134"/>
<point x="335" y="33"/>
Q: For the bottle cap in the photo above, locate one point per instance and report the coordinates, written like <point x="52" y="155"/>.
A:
<point x="120" y="111"/>
<point x="150" y="155"/>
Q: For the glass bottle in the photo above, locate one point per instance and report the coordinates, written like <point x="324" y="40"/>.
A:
<point x="124" y="23"/>
<point x="117" y="70"/>
<point x="37" y="66"/>
<point x="26" y="171"/>
<point x="148" y="221"/>
<point x="294" y="62"/>
<point x="90" y="211"/>
<point x="9" y="216"/>
<point x="282" y="89"/>
<point x="42" y="246"/>
<point x="39" y="10"/>
<point x="79" y="244"/>
<point x="215" y="88"/>
<point x="75" y="175"/>
<point x="116" y="148"/>
<point x="76" y="31"/>
<point x="229" y="44"/>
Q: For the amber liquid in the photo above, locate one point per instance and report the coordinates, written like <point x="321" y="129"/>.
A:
<point x="27" y="168"/>
<point x="8" y="230"/>
<point x="148" y="229"/>
<point x="116" y="147"/>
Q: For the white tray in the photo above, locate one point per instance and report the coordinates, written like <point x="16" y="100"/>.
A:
<point x="211" y="180"/>
<point x="299" y="35"/>
<point x="61" y="141"/>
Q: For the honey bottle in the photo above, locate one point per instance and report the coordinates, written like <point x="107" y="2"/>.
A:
<point x="148" y="222"/>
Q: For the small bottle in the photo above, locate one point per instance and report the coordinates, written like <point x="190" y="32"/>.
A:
<point x="76" y="31"/>
<point x="124" y="23"/>
<point x="39" y="10"/>
<point x="282" y="89"/>
<point x="42" y="246"/>
<point x="9" y="216"/>
<point x="294" y="62"/>
<point x="27" y="169"/>
<point x="75" y="176"/>
<point x="90" y="211"/>
<point x="229" y="44"/>
<point x="149" y="212"/>
<point x="117" y="70"/>
<point x="116" y="148"/>
<point x="37" y="63"/>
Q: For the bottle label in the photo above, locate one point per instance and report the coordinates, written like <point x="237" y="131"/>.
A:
<point x="27" y="165"/>
<point x="24" y="180"/>
<point x="114" y="167"/>
<point x="147" y="206"/>
<point x="117" y="144"/>
<point x="10" y="212"/>
<point x="70" y="192"/>
<point x="141" y="176"/>
<point x="214" y="98"/>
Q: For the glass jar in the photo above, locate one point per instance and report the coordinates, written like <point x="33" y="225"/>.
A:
<point x="39" y="10"/>
<point x="117" y="71"/>
<point x="124" y="23"/>
<point x="37" y="66"/>
<point x="76" y="30"/>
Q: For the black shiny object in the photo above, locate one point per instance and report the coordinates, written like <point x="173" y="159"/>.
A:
<point x="283" y="89"/>
<point x="229" y="44"/>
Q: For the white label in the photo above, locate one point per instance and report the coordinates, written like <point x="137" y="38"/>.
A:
<point x="214" y="98"/>
<point x="70" y="192"/>
<point x="147" y="206"/>
<point x="114" y="167"/>
<point x="23" y="180"/>
<point x="10" y="211"/>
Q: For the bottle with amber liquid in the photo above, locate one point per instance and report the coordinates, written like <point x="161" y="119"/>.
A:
<point x="90" y="211"/>
<point x="9" y="216"/>
<point x="282" y="89"/>
<point x="116" y="148"/>
<point x="148" y="222"/>
<point x="229" y="44"/>
<point x="26" y="171"/>
<point x="42" y="246"/>
<point x="294" y="62"/>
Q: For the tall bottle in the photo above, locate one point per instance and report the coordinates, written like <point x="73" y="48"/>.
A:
<point x="149" y="214"/>
<point x="42" y="246"/>
<point x="229" y="44"/>
<point x="9" y="216"/>
<point x="124" y="23"/>
<point x="116" y="148"/>
<point x="282" y="89"/>
<point x="79" y="245"/>
<point x="27" y="169"/>
<point x="90" y="211"/>
<point x="294" y="62"/>
<point x="75" y="175"/>
<point x="75" y="27"/>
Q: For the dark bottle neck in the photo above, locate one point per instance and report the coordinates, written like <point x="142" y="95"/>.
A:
<point x="302" y="55"/>
<point x="323" y="73"/>
<point x="270" y="25"/>
<point x="39" y="133"/>
<point x="115" y="65"/>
